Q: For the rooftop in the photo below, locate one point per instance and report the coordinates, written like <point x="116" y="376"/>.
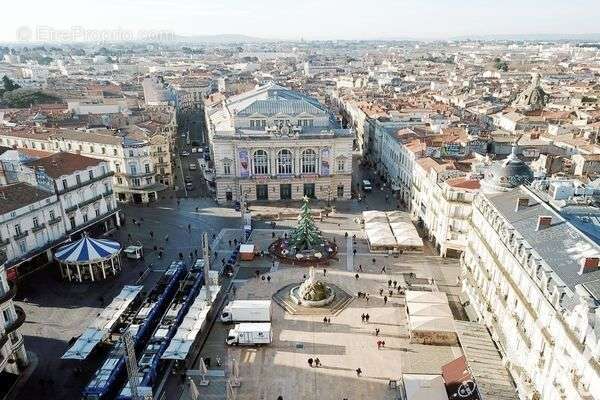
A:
<point x="61" y="164"/>
<point x="15" y="196"/>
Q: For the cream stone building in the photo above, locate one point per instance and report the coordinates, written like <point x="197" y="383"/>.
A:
<point x="272" y="143"/>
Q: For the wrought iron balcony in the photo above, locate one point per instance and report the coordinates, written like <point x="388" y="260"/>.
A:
<point x="21" y="235"/>
<point x="38" y="228"/>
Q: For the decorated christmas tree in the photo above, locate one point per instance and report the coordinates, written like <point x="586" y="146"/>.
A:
<point x="306" y="235"/>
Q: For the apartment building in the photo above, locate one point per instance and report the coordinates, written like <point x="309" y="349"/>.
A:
<point x="273" y="143"/>
<point x="13" y="357"/>
<point x="31" y="224"/>
<point x="141" y="163"/>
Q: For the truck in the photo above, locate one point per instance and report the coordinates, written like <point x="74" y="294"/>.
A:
<point x="250" y="334"/>
<point x="247" y="311"/>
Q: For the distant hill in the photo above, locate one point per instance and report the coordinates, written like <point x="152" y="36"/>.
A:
<point x="218" y="39"/>
<point x="540" y="37"/>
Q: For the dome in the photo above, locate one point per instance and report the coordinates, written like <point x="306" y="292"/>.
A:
<point x="534" y="97"/>
<point x="510" y="173"/>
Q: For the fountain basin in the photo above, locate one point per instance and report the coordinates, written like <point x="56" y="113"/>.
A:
<point x="297" y="298"/>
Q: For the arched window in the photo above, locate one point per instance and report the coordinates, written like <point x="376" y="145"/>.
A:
<point x="261" y="162"/>
<point x="309" y="162"/>
<point x="284" y="162"/>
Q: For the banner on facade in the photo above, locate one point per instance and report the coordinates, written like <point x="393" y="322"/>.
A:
<point x="244" y="163"/>
<point x="325" y="162"/>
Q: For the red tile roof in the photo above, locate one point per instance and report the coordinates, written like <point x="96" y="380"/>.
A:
<point x="60" y="164"/>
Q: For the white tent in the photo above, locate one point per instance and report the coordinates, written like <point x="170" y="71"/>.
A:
<point x="431" y="324"/>
<point x="428" y="310"/>
<point x="424" y="387"/>
<point x="416" y="296"/>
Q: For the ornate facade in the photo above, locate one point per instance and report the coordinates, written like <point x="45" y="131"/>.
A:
<point x="276" y="144"/>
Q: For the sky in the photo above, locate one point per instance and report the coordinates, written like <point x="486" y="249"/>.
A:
<point x="295" y="19"/>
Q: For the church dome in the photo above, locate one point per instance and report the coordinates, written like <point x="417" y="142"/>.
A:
<point x="534" y="97"/>
<point x="509" y="173"/>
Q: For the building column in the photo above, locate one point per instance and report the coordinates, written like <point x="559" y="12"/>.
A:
<point x="103" y="271"/>
<point x="79" y="273"/>
<point x="112" y="265"/>
<point x="91" y="272"/>
<point x="118" y="219"/>
<point x="68" y="268"/>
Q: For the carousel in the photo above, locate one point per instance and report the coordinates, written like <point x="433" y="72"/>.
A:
<point x="89" y="259"/>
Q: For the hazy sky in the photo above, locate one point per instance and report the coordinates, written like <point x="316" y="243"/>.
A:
<point x="310" y="19"/>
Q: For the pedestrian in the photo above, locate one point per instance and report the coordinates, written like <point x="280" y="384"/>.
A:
<point x="191" y="256"/>
<point x="378" y="344"/>
<point x="390" y="283"/>
<point x="151" y="235"/>
<point x="229" y="243"/>
<point x="395" y="283"/>
<point x="181" y="256"/>
<point x="367" y="297"/>
<point x="391" y="293"/>
<point x="269" y="278"/>
<point x="178" y="202"/>
<point x="383" y="343"/>
<point x="360" y="267"/>
<point x="367" y="316"/>
<point x="262" y="277"/>
<point x="399" y="289"/>
<point x="317" y="362"/>
<point x="373" y="261"/>
<point x="324" y="271"/>
<point x="383" y="270"/>
<point x="346" y="235"/>
<point x="166" y="238"/>
<point x="381" y="292"/>
<point x="310" y="362"/>
<point x="279" y="397"/>
<point x="324" y="320"/>
<point x="189" y="227"/>
<point x="329" y="321"/>
<point x="160" y="254"/>
<point x="358" y="372"/>
<point x="359" y="295"/>
<point x="363" y="317"/>
<point x="129" y="236"/>
<point x="354" y="251"/>
<point x="376" y="331"/>
<point x="385" y="300"/>
<point x="356" y="276"/>
<point x="235" y="242"/>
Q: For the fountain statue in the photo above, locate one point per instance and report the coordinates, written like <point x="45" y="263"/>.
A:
<point x="312" y="292"/>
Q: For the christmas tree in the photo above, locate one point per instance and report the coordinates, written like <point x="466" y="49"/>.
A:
<point x="306" y="235"/>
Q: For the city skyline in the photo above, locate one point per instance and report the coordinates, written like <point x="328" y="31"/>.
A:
<point x="316" y="20"/>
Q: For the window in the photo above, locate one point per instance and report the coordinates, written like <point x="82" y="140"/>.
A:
<point x="284" y="162"/>
<point x="78" y="179"/>
<point x="136" y="182"/>
<point x="97" y="210"/>
<point x="130" y="153"/>
<point x="147" y="168"/>
<point x="341" y="164"/>
<point x="103" y="150"/>
<point x="119" y="180"/>
<point x="91" y="149"/>
<point x="52" y="215"/>
<point x="149" y="181"/>
<point x="18" y="229"/>
<point x="91" y="174"/>
<point x="85" y="217"/>
<point x="133" y="169"/>
<point x="118" y="168"/>
<point x="43" y="146"/>
<point x="114" y="152"/>
<point x="103" y="169"/>
<point x="64" y="183"/>
<point x="261" y="162"/>
<point x="36" y="223"/>
<point x="22" y="246"/>
<point x="227" y="168"/>
<point x="309" y="162"/>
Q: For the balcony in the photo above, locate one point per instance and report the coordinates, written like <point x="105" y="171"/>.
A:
<point x="21" y="235"/>
<point x="38" y="228"/>
<point x="18" y="322"/>
<point x="54" y="220"/>
<point x="8" y="295"/>
<point x="85" y="183"/>
<point x="89" y="201"/>
<point x="4" y="242"/>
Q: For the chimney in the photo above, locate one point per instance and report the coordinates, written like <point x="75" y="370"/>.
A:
<point x="522" y="202"/>
<point x="589" y="264"/>
<point x="543" y="222"/>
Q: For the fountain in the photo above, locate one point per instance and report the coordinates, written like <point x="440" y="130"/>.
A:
<point x="311" y="292"/>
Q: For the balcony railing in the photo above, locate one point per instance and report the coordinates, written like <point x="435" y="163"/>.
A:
<point x="84" y="183"/>
<point x="89" y="201"/>
<point x="17" y="323"/>
<point x="54" y="220"/>
<point x="38" y="228"/>
<point x="21" y="235"/>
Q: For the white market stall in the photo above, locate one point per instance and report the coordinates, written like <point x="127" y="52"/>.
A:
<point x="430" y="319"/>
<point x="424" y="387"/>
<point x="89" y="259"/>
<point x="391" y="231"/>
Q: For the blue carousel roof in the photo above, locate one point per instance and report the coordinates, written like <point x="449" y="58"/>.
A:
<point x="87" y="250"/>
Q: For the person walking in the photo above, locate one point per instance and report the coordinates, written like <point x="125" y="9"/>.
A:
<point x="363" y="317"/>
<point x="151" y="235"/>
<point x="367" y="297"/>
<point x="269" y="278"/>
<point x="358" y="372"/>
<point x="360" y="267"/>
<point x="166" y="238"/>
<point x="376" y="331"/>
<point x="367" y="318"/>
<point x="229" y="243"/>
<point x="391" y="292"/>
<point x="383" y="270"/>
<point x="324" y="320"/>
<point x="190" y="228"/>
<point x="395" y="283"/>
<point x="310" y="362"/>
<point x="324" y="271"/>
<point x="354" y="251"/>
<point x="356" y="276"/>
<point x="317" y="362"/>
<point x="378" y="344"/>
<point x="383" y="344"/>
<point x="390" y="283"/>
<point x="385" y="300"/>
<point x="381" y="292"/>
